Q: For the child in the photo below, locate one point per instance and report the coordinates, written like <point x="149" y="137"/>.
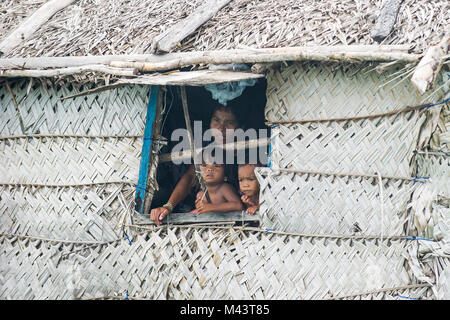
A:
<point x="223" y="196"/>
<point x="249" y="187"/>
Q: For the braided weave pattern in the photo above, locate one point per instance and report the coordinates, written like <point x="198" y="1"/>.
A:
<point x="365" y="146"/>
<point x="69" y="160"/>
<point x="307" y="91"/>
<point x="90" y="213"/>
<point x="191" y="263"/>
<point x="321" y="204"/>
<point x="119" y="111"/>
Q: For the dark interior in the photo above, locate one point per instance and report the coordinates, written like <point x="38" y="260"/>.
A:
<point x="248" y="107"/>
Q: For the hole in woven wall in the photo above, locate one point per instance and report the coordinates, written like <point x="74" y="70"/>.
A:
<point x="22" y="85"/>
<point x="248" y="108"/>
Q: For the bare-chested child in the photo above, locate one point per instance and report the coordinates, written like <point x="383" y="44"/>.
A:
<point x="223" y="196"/>
<point x="249" y="186"/>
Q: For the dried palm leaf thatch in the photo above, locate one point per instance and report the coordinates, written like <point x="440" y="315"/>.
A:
<point x="14" y="12"/>
<point x="310" y="91"/>
<point x="432" y="164"/>
<point x="95" y="27"/>
<point x="430" y="210"/>
<point x="440" y="140"/>
<point x="80" y="213"/>
<point x="429" y="262"/>
<point x="365" y="146"/>
<point x="287" y="23"/>
<point x="116" y="112"/>
<point x="203" y="263"/>
<point x="60" y="160"/>
<point x="436" y="167"/>
<point x="329" y="204"/>
<point x="439" y="225"/>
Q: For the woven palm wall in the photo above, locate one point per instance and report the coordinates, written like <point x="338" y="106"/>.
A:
<point x="345" y="160"/>
<point x="210" y="263"/>
<point x="68" y="165"/>
<point x="66" y="199"/>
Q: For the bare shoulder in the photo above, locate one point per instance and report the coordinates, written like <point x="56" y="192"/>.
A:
<point x="227" y="186"/>
<point x="228" y="190"/>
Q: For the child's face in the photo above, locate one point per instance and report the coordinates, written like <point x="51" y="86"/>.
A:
<point x="223" y="119"/>
<point x="248" y="183"/>
<point x="213" y="173"/>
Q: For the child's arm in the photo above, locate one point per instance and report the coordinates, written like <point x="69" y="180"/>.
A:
<point x="180" y="192"/>
<point x="252" y="205"/>
<point x="251" y="210"/>
<point x="232" y="202"/>
<point x="248" y="202"/>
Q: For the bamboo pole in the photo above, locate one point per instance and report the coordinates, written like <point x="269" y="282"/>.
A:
<point x="191" y="141"/>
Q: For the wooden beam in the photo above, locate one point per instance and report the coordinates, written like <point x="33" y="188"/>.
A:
<point x="186" y="155"/>
<point x="192" y="78"/>
<point x="141" y="189"/>
<point x="122" y="72"/>
<point x="194" y="218"/>
<point x="269" y="55"/>
<point x="31" y="24"/>
<point x="429" y="66"/>
<point x="187" y="120"/>
<point x="386" y="19"/>
<point x="174" y="60"/>
<point x="168" y="40"/>
<point x="152" y="183"/>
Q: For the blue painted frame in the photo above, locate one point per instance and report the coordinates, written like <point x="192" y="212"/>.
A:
<point x="145" y="153"/>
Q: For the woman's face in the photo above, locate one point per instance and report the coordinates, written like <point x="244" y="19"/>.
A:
<point x="223" y="119"/>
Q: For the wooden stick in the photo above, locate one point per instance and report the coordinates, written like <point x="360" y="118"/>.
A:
<point x="180" y="156"/>
<point x="267" y="56"/>
<point x="191" y="141"/>
<point x="369" y="116"/>
<point x="48" y="135"/>
<point x="192" y="78"/>
<point x="31" y="24"/>
<point x="344" y="174"/>
<point x="189" y="218"/>
<point x="168" y="40"/>
<point x="16" y="105"/>
<point x="123" y="72"/>
<point x="429" y="66"/>
<point x="166" y="61"/>
<point x="386" y="20"/>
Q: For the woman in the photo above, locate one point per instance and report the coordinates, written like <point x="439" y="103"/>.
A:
<point x="222" y="118"/>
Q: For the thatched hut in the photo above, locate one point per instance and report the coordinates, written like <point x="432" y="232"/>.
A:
<point x="355" y="197"/>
